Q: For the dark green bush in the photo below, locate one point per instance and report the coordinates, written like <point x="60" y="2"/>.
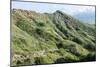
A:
<point x="43" y="60"/>
<point x="41" y="24"/>
<point x="77" y="40"/>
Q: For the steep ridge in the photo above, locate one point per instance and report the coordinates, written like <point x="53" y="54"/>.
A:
<point x="43" y="38"/>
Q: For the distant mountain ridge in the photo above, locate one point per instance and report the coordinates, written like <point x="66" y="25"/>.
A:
<point x="43" y="38"/>
<point x="86" y="17"/>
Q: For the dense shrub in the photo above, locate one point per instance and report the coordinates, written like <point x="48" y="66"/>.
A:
<point x="60" y="37"/>
<point x="77" y="40"/>
<point x="43" y="60"/>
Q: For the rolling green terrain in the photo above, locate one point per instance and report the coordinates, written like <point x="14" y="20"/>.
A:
<point x="44" y="38"/>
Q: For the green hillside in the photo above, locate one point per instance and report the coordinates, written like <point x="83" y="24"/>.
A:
<point x="43" y="38"/>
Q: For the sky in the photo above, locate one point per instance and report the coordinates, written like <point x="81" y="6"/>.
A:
<point x="83" y="13"/>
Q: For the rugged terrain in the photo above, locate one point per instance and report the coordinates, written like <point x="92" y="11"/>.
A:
<point x="49" y="38"/>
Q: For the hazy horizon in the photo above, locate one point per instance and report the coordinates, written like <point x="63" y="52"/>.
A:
<point x="83" y="13"/>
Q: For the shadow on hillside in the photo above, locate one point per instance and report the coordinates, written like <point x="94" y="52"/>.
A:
<point x="84" y="59"/>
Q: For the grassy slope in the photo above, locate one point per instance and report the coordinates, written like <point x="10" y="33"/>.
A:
<point x="50" y="38"/>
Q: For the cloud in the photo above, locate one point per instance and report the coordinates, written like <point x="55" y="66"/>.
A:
<point x="48" y="7"/>
<point x="76" y="9"/>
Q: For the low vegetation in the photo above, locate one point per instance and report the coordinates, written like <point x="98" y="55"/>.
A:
<point x="43" y="38"/>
